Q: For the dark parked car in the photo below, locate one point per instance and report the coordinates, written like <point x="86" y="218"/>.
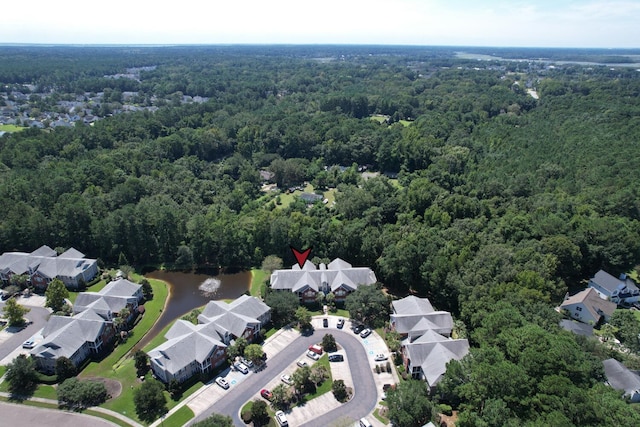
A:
<point x="358" y="329"/>
<point x="325" y="322"/>
<point x="336" y="358"/>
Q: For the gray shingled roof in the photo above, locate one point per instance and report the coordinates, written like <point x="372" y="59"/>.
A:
<point x="412" y="305"/>
<point x="44" y="251"/>
<point x="611" y="283"/>
<point x="71" y="253"/>
<point x="621" y="378"/>
<point x="121" y="287"/>
<point x="186" y="342"/>
<point x="337" y="273"/>
<point x="45" y="261"/>
<point x="590" y="299"/>
<point x="433" y="357"/>
<point x="440" y="321"/>
<point x="63" y="336"/>
<point x="249" y="306"/>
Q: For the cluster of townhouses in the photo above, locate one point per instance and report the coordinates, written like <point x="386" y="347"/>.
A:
<point x="90" y="330"/>
<point x="427" y="345"/>
<point x="44" y="264"/>
<point x="338" y="277"/>
<point x="194" y="349"/>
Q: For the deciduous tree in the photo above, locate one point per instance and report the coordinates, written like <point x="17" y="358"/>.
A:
<point x="150" y="400"/>
<point x="56" y="295"/>
<point x="21" y="376"/>
<point x="14" y="312"/>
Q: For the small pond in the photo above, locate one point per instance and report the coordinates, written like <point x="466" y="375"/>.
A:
<point x="185" y="294"/>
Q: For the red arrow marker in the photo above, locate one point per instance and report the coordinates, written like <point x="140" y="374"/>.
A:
<point x="301" y="256"/>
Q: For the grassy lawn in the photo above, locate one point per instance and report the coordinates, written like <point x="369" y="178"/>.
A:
<point x="46" y="392"/>
<point x="258" y="278"/>
<point x="117" y="366"/>
<point x="179" y="418"/>
<point x="379" y="417"/>
<point x="11" y="128"/>
<point x="325" y="387"/>
<point x="287" y="199"/>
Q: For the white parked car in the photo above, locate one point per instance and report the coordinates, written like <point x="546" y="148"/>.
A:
<point x="30" y="343"/>
<point x="365" y="333"/>
<point x="312" y="355"/>
<point x="380" y="357"/>
<point x="222" y="383"/>
<point x="241" y="367"/>
<point x="281" y="418"/>
<point x="286" y="379"/>
<point x="302" y="363"/>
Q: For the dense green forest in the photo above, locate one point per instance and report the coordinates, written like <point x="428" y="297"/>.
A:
<point x="494" y="202"/>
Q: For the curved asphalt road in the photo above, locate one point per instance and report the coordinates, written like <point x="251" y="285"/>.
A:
<point x="365" y="393"/>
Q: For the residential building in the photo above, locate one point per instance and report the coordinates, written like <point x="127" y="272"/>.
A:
<point x="621" y="378"/>
<point x="338" y="277"/>
<point x="587" y="307"/>
<point x="109" y="301"/>
<point x="193" y="349"/>
<point x="413" y="316"/>
<point x="190" y="349"/>
<point x="426" y="343"/>
<point x="90" y="329"/>
<point x="620" y="290"/>
<point x="44" y="264"/>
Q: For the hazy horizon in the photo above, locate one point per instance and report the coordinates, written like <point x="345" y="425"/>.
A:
<point x="447" y="23"/>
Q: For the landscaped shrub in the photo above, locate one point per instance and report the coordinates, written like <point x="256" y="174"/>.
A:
<point x="246" y="417"/>
<point x="377" y="369"/>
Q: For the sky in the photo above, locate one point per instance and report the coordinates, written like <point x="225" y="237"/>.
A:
<point x="514" y="23"/>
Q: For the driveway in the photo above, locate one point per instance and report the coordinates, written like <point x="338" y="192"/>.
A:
<point x="365" y="391"/>
<point x="11" y="339"/>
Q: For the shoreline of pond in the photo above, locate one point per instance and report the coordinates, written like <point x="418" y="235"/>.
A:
<point x="183" y="295"/>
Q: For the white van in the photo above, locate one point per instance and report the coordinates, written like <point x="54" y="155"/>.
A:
<point x="365" y="423"/>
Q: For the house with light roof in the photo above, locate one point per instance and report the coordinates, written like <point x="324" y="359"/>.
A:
<point x="587" y="307"/>
<point x="75" y="338"/>
<point x="620" y="290"/>
<point x="193" y="349"/>
<point x="111" y="299"/>
<point x="90" y="330"/>
<point x="426" y="343"/>
<point x="189" y="350"/>
<point x="44" y="264"/>
<point x="338" y="277"/>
